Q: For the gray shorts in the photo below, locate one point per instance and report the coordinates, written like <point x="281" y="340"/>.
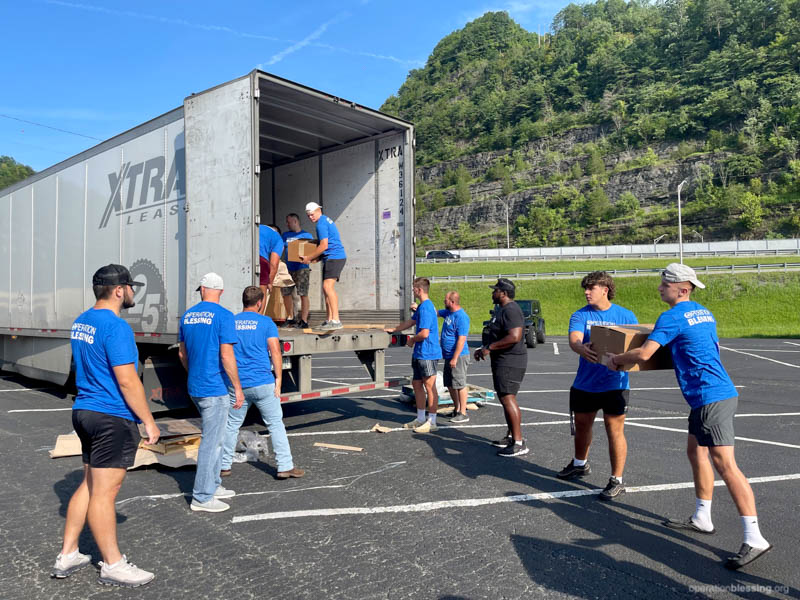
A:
<point x="423" y="368"/>
<point x="300" y="278"/>
<point x="712" y="424"/>
<point x="456" y="378"/>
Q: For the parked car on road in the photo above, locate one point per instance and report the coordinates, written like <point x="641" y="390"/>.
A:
<point x="442" y="255"/>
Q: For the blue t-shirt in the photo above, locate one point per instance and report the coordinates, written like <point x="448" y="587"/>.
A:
<point x="455" y="325"/>
<point x="691" y="333"/>
<point x="203" y="328"/>
<point x="252" y="352"/>
<point x="100" y="341"/>
<point x="595" y="377"/>
<point x="326" y="228"/>
<point x="290" y="236"/>
<point x="269" y="241"/>
<point x="425" y="317"/>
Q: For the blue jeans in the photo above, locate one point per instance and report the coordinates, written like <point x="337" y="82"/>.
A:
<point x="214" y="412"/>
<point x="263" y="396"/>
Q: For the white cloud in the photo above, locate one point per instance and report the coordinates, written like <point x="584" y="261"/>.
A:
<point x="301" y="44"/>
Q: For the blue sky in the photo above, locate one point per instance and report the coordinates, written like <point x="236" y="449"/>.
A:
<point x="98" y="68"/>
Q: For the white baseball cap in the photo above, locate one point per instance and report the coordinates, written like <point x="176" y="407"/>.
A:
<point x="211" y="281"/>
<point x="312" y="206"/>
<point x="677" y="273"/>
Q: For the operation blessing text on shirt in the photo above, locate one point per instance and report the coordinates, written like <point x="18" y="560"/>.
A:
<point x="83" y="332"/>
<point x="196" y="318"/>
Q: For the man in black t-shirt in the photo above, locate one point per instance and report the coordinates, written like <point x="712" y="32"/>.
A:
<point x="503" y="340"/>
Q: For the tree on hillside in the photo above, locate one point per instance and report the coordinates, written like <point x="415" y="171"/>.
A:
<point x="11" y="171"/>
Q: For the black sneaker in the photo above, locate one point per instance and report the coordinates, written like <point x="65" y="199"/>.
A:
<point x="503" y="442"/>
<point x="290" y="323"/>
<point x="612" y="490"/>
<point x="514" y="449"/>
<point x="573" y="472"/>
<point x="302" y="324"/>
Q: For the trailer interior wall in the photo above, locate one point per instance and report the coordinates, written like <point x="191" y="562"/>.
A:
<point x="356" y="163"/>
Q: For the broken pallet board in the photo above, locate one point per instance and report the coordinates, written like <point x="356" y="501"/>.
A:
<point x="338" y="447"/>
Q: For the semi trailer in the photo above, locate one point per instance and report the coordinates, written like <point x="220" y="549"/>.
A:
<point x="184" y="194"/>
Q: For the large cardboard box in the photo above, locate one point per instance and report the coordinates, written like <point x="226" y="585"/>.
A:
<point x="297" y="248"/>
<point x="276" y="309"/>
<point x="617" y="339"/>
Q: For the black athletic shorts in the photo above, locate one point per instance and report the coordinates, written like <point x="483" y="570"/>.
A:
<point x="106" y="441"/>
<point x="422" y="369"/>
<point x="612" y="402"/>
<point x="332" y="268"/>
<point x="507" y="380"/>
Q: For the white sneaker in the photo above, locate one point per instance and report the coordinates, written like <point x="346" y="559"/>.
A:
<point x="223" y="492"/>
<point x="123" y="574"/>
<point x="426" y="427"/>
<point x="213" y="505"/>
<point x="67" y="564"/>
<point x="412" y="424"/>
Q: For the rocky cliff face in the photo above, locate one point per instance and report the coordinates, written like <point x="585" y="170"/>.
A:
<point x="654" y="185"/>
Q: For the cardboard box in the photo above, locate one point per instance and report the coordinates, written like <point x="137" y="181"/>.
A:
<point x="297" y="248"/>
<point x="276" y="309"/>
<point x="621" y="338"/>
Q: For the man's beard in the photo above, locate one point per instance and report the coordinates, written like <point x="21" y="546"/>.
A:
<point x="128" y="303"/>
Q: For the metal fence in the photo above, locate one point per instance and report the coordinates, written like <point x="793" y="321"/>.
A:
<point x="609" y="255"/>
<point x="754" y="268"/>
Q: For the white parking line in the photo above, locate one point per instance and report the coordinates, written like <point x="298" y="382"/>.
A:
<point x="761" y="357"/>
<point x="28" y="389"/>
<point x="19" y="410"/>
<point x="766" y="350"/>
<point x="475" y="502"/>
<point x="744" y="439"/>
<point x="555" y="348"/>
<point x="792" y="343"/>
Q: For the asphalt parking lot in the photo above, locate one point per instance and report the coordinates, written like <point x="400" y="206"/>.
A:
<point x="428" y="516"/>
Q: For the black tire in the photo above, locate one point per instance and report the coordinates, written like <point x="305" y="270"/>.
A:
<point x="540" y="332"/>
<point x="530" y="337"/>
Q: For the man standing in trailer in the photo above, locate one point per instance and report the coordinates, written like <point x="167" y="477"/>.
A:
<point x="333" y="260"/>
<point x="300" y="274"/>
<point x="270" y="248"/>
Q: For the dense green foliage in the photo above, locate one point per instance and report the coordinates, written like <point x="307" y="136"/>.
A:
<point x="674" y="69"/>
<point x="744" y="305"/>
<point x="11" y="171"/>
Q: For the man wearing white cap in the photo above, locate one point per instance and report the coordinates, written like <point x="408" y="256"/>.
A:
<point x="207" y="335"/>
<point x="691" y="333"/>
<point x="333" y="259"/>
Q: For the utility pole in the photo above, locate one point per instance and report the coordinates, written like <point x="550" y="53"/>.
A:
<point x="680" y="226"/>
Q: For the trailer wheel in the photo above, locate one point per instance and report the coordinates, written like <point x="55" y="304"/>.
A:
<point x="530" y="337"/>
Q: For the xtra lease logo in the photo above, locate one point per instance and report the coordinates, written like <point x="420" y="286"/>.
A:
<point x="146" y="190"/>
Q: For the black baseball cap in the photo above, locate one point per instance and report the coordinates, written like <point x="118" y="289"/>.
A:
<point x="114" y="275"/>
<point x="504" y="285"/>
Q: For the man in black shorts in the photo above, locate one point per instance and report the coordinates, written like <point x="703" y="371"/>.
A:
<point x="109" y="403"/>
<point x="503" y="339"/>
<point x="595" y="387"/>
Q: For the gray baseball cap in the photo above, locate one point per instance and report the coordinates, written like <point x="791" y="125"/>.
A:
<point x="212" y="281"/>
<point x="676" y="273"/>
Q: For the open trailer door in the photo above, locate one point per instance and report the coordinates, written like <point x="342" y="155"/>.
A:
<point x="221" y="189"/>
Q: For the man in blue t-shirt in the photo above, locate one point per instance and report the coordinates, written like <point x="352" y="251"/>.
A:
<point x="595" y="387"/>
<point x="690" y="331"/>
<point x="257" y="347"/>
<point x="270" y="248"/>
<point x="207" y="335"/>
<point x="424" y="357"/>
<point x="455" y="329"/>
<point x="333" y="260"/>
<point x="109" y="404"/>
<point x="300" y="275"/>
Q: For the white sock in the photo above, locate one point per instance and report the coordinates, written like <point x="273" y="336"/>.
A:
<point x="579" y="463"/>
<point x="619" y="479"/>
<point x="518" y="442"/>
<point x="752" y="534"/>
<point x="432" y="418"/>
<point x="702" y="514"/>
<point x="421" y="415"/>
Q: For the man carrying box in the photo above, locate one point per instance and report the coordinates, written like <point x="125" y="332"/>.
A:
<point x="691" y="333"/>
<point x="300" y="275"/>
<point x="270" y="248"/>
<point x="595" y="387"/>
<point x="333" y="259"/>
